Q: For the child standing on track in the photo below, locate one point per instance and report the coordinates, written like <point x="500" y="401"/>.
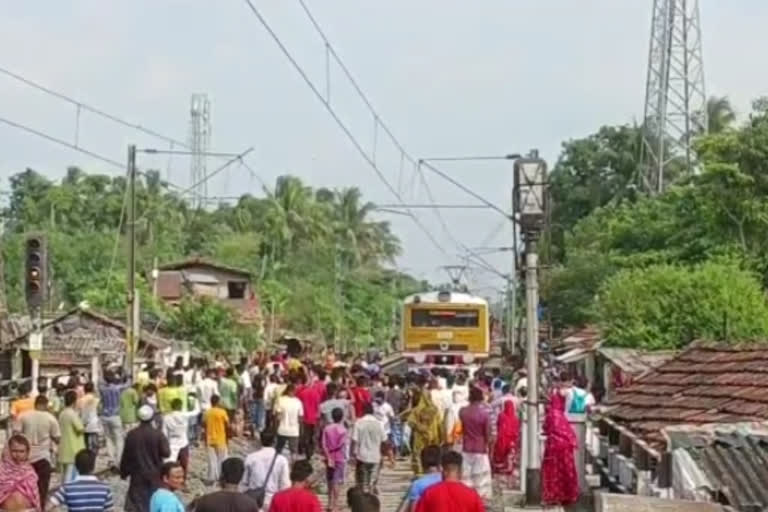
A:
<point x="334" y="444"/>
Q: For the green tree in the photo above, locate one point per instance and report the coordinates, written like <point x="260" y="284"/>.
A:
<point x="210" y="326"/>
<point x="668" y="306"/>
<point x="592" y="172"/>
<point x="720" y="114"/>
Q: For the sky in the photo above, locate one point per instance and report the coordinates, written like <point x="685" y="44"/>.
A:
<point x="447" y="77"/>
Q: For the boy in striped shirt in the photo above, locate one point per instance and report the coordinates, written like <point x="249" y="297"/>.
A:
<point x="86" y="493"/>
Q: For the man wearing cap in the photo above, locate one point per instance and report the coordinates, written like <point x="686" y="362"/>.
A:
<point x="143" y="455"/>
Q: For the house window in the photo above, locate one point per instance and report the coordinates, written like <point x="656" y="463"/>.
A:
<point x="236" y="289"/>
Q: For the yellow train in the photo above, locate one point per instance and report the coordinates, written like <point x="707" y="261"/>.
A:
<point x="445" y="329"/>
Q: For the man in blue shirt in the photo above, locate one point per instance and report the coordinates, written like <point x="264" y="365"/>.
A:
<point x="85" y="492"/>
<point x="110" y="391"/>
<point x="430" y="461"/>
<point x="164" y="499"/>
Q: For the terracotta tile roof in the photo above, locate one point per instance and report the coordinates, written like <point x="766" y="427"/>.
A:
<point x="707" y="383"/>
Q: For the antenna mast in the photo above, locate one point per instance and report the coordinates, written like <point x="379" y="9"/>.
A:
<point x="199" y="142"/>
<point x="675" y="97"/>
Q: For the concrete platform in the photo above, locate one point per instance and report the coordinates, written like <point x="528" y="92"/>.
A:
<point x="606" y="502"/>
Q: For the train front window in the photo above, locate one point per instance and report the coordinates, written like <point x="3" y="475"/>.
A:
<point x="445" y="317"/>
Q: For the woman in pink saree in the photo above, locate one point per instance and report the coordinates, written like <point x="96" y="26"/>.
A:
<point x="18" y="480"/>
<point x="559" y="479"/>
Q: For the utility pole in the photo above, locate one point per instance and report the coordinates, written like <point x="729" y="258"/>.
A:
<point x="133" y="301"/>
<point x="339" y="344"/>
<point x="511" y="313"/>
<point x="530" y="204"/>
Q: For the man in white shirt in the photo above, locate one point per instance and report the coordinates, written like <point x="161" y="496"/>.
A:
<point x="289" y="412"/>
<point x="461" y="387"/>
<point x="176" y="430"/>
<point x="257" y="470"/>
<point x="367" y="438"/>
<point x="269" y="398"/>
<point x="206" y="389"/>
<point x="386" y="415"/>
<point x="522" y="382"/>
<point x="245" y="380"/>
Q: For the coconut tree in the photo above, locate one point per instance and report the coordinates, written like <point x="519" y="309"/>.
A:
<point x="720" y="114"/>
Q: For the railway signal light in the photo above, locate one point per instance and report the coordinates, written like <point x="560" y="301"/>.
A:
<point x="35" y="271"/>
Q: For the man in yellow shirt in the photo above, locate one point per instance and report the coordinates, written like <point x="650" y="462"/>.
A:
<point x="23" y="403"/>
<point x="216" y="423"/>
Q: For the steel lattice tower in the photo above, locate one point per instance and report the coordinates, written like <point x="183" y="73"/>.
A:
<point x="675" y="97"/>
<point x="199" y="141"/>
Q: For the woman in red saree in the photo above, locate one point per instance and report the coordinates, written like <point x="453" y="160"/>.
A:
<point x="508" y="434"/>
<point x="559" y="479"/>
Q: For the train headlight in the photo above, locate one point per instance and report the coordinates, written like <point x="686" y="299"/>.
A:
<point x="468" y="358"/>
<point x="419" y="358"/>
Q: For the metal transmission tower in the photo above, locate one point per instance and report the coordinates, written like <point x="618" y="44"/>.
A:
<point x="675" y="98"/>
<point x="199" y="142"/>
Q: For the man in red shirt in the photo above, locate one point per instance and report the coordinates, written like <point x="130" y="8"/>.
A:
<point x="450" y="494"/>
<point x="360" y="396"/>
<point x="310" y="400"/>
<point x="320" y="383"/>
<point x="298" y="497"/>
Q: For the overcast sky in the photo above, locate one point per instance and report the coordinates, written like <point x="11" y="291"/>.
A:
<point x="449" y="77"/>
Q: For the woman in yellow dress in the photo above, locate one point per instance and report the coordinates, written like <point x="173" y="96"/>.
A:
<point x="426" y="427"/>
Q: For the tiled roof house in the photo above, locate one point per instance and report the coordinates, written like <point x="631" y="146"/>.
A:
<point x="706" y="383"/>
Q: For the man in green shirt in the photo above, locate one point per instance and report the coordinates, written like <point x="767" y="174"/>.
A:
<point x="72" y="438"/>
<point x="129" y="404"/>
<point x="174" y="389"/>
<point x="228" y="393"/>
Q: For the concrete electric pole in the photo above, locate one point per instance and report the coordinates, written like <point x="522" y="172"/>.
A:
<point x="530" y="199"/>
<point x="132" y="328"/>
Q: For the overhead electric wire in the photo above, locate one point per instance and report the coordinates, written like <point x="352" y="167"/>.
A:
<point x="459" y="244"/>
<point x="470" y="158"/>
<point x="404" y="154"/>
<point x="90" y="108"/>
<point x="352" y="80"/>
<point x="466" y="189"/>
<point x="371" y="162"/>
<point x="62" y="142"/>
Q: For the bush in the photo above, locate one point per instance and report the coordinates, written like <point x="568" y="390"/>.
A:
<point x="667" y="306"/>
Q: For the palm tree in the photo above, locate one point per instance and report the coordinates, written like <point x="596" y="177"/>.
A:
<point x="720" y="114"/>
<point x="368" y="241"/>
<point x="292" y="216"/>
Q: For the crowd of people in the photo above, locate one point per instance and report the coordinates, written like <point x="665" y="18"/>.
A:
<point x="458" y="430"/>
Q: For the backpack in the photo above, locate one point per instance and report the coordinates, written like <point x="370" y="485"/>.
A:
<point x="578" y="402"/>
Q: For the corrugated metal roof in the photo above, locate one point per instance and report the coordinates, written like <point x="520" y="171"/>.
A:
<point x="704" y="384"/>
<point x="636" y="362"/>
<point x="199" y="277"/>
<point x="735" y="463"/>
<point x="201" y="262"/>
